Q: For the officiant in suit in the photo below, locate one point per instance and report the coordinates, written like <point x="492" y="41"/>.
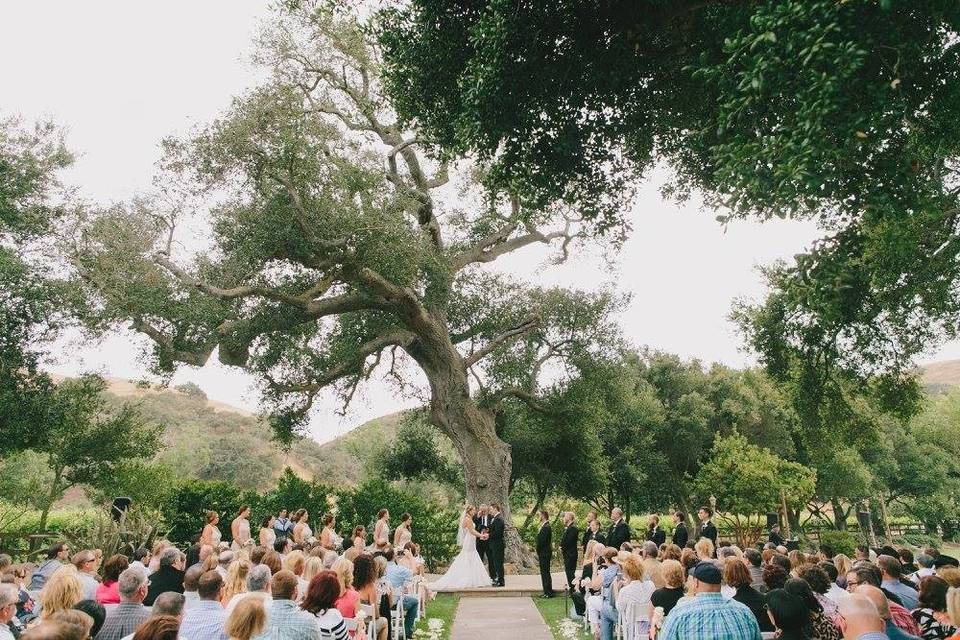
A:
<point x="545" y="554"/>
<point x="568" y="547"/>
<point x="495" y="545"/>
<point x="619" y="531"/>
<point x="481" y="522"/>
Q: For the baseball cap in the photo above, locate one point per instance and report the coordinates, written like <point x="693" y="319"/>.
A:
<point x="707" y="572"/>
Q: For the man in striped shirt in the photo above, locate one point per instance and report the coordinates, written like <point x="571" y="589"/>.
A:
<point x="709" y="616"/>
<point x="206" y="618"/>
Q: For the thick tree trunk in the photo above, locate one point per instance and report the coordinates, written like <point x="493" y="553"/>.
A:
<point x="487" y="464"/>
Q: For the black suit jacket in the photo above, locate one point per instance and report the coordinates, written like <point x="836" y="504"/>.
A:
<point x="589" y="535"/>
<point x="618" y="534"/>
<point x="568" y="543"/>
<point x="708" y="530"/>
<point x="478" y="522"/>
<point x="163" y="580"/>
<point x="680" y="535"/>
<point x="657" y="536"/>
<point x="758" y="605"/>
<point x="545" y="541"/>
<point x="495" y="541"/>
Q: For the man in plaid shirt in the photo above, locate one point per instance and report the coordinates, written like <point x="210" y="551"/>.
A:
<point x="127" y="616"/>
<point x="285" y="619"/>
<point x="709" y="616"/>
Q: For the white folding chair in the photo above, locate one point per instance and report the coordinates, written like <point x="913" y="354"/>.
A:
<point x="397" y="614"/>
<point x="416" y="589"/>
<point x="630" y="621"/>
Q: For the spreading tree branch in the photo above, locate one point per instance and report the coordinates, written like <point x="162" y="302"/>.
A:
<point x="507" y="336"/>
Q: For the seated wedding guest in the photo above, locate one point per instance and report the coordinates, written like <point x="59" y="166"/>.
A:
<point x="868" y="574"/>
<point x="346" y="604"/>
<point x="953" y="609"/>
<point x="206" y="618"/>
<point x="709" y="616"/>
<point x="398" y="576"/>
<point x="283" y="546"/>
<point x="671" y="552"/>
<point x="774" y="577"/>
<point x="907" y="561"/>
<point x="737" y="577"/>
<point x="320" y="601"/>
<point x="834" y="591"/>
<point x="57" y="555"/>
<point x="9" y="595"/>
<point x="823" y="627"/>
<point x="272" y="560"/>
<point x="167" y="577"/>
<point x="160" y="627"/>
<point x="294" y="562"/>
<point x="141" y="558"/>
<point x="62" y="590"/>
<point x="312" y="566"/>
<point x="169" y="603"/>
<point x="158" y="548"/>
<point x="890" y="574"/>
<point x="843" y="565"/>
<point x="86" y="563"/>
<point x="931" y="609"/>
<point x="247" y="620"/>
<point x="879" y="600"/>
<point x="236" y="580"/>
<point x="939" y="559"/>
<point x="689" y="559"/>
<point x="191" y="582"/>
<point x="285" y="619"/>
<point x="783" y="561"/>
<point x="224" y="560"/>
<point x="950" y="574"/>
<point x="705" y="549"/>
<point x="790" y="616"/>
<point x="78" y="622"/>
<point x="364" y="581"/>
<point x="130" y="613"/>
<point x="820" y="583"/>
<point x="258" y="588"/>
<point x="666" y="597"/>
<point x="636" y="590"/>
<point x="861" y="619"/>
<point x="97" y="613"/>
<point x="753" y="560"/>
<point x="924" y="567"/>
<point x="412" y="559"/>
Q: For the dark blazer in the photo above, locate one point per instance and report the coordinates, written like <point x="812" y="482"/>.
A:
<point x="545" y="542"/>
<point x="495" y="541"/>
<point x="588" y="535"/>
<point x="162" y="580"/>
<point x="478" y="522"/>
<point x="618" y="534"/>
<point x="708" y="530"/>
<point x="680" y="535"/>
<point x="657" y="535"/>
<point x="758" y="605"/>
<point x="568" y="543"/>
<point x="775" y="538"/>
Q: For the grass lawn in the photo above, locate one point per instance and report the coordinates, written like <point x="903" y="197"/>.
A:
<point x="443" y="608"/>
<point x="553" y="612"/>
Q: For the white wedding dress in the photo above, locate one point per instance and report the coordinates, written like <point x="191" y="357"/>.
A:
<point x="467" y="570"/>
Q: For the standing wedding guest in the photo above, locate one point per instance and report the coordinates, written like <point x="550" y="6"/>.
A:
<point x="267" y="535"/>
<point x="708" y="615"/>
<point x="205" y="620"/>
<point x="619" y="531"/>
<point x="282" y="526"/>
<point x="680" y="535"/>
<point x="301" y="530"/>
<point x="545" y="554"/>
<point x="707" y="529"/>
<point x="247" y="620"/>
<point x="320" y="601"/>
<point x="328" y="536"/>
<point x="381" y="531"/>
<point x="240" y="529"/>
<point x="211" y="534"/>
<point x="130" y="613"/>
<point x="286" y="620"/>
<point x="654" y="533"/>
<point x="402" y="534"/>
<point x="86" y="564"/>
<point x="109" y="590"/>
<point x="568" y="548"/>
<point x="57" y="555"/>
<point x="168" y="577"/>
<point x="359" y="537"/>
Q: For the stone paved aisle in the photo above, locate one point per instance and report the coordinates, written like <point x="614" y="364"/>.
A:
<point x="499" y="619"/>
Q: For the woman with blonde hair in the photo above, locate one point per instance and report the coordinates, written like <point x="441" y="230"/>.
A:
<point x="346" y="603"/>
<point x="249" y="619"/>
<point x="843" y="565"/>
<point x="704" y="549"/>
<point x="294" y="562"/>
<point x="154" y="565"/>
<point x="236" y="581"/>
<point x="211" y="534"/>
<point x="312" y="566"/>
<point x="62" y="591"/>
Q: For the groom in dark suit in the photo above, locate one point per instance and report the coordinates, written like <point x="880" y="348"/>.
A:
<point x="545" y="554"/>
<point x="495" y="545"/>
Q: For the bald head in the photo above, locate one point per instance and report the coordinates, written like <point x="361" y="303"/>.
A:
<point x="876" y="597"/>
<point x="859" y="616"/>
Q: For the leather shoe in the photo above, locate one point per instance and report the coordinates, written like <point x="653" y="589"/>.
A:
<point x="546" y="595"/>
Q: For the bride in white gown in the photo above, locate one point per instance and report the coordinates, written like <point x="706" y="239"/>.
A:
<point x="467" y="569"/>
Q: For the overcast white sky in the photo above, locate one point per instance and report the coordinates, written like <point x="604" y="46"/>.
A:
<point x="120" y="75"/>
